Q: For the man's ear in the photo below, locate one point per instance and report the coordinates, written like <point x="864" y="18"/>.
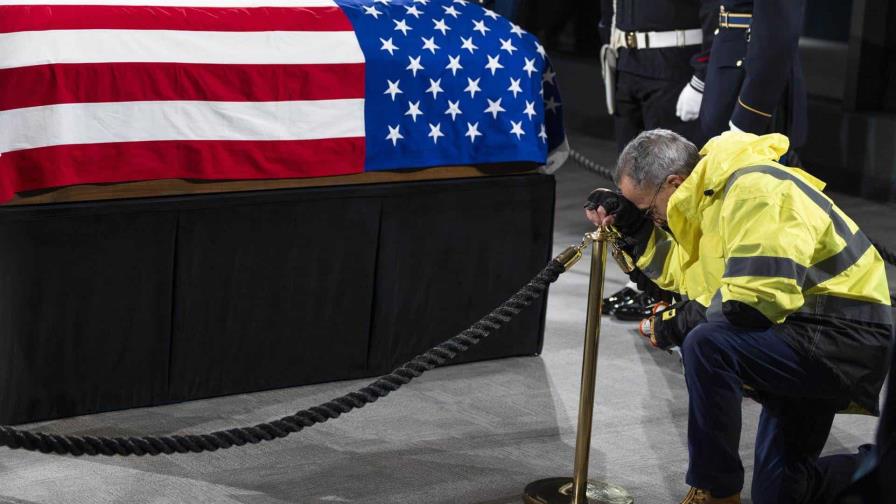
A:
<point x="675" y="180"/>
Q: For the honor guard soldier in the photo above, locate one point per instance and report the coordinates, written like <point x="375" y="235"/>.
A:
<point x="754" y="81"/>
<point x="654" y="63"/>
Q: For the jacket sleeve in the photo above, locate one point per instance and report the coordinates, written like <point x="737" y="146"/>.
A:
<point x="658" y="258"/>
<point x="709" y="23"/>
<point x="774" y="39"/>
<point x="767" y="248"/>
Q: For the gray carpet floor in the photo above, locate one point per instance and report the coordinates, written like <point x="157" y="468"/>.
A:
<point x="475" y="433"/>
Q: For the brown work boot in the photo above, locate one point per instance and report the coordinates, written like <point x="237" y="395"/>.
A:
<point x="700" y="496"/>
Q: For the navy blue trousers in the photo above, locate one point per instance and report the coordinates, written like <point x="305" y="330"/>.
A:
<point x="799" y="399"/>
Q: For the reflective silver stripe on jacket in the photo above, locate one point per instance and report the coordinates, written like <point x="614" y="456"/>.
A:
<point x="765" y="266"/>
<point x="857" y="244"/>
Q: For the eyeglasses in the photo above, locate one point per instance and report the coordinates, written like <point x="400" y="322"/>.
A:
<point x="648" y="212"/>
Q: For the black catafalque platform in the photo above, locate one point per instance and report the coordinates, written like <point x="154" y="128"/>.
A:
<point x="131" y="303"/>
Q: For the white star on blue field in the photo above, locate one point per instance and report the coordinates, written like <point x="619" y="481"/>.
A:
<point x="449" y="82"/>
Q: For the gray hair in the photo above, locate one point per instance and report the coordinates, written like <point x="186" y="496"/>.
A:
<point x="654" y="155"/>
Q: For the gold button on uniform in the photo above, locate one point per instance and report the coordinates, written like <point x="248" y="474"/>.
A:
<point x="716" y="32"/>
<point x="739" y="62"/>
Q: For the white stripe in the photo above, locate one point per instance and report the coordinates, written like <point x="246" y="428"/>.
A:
<point x="84" y="123"/>
<point x="20" y="49"/>
<point x="180" y="3"/>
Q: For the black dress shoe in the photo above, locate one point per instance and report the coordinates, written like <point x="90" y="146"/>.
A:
<point x="640" y="308"/>
<point x="621" y="298"/>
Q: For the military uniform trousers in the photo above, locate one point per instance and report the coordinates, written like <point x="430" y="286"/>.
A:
<point x="644" y="103"/>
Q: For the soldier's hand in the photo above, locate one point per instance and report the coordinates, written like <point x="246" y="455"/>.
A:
<point x="688" y="106"/>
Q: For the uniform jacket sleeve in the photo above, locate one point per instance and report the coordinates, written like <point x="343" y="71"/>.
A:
<point x="774" y="40"/>
<point x="658" y="258"/>
<point x="709" y="22"/>
<point x="767" y="249"/>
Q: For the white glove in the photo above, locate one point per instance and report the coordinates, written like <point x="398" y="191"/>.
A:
<point x="688" y="107"/>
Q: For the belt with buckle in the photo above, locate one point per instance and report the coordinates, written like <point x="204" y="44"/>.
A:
<point x="657" y="40"/>
<point x="734" y="19"/>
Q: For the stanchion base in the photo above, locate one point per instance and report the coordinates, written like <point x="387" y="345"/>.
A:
<point x="559" y="491"/>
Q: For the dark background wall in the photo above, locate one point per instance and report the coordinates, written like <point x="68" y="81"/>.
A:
<point x="853" y="134"/>
<point x="828" y="19"/>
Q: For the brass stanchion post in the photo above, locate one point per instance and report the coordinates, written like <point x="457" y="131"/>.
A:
<point x="578" y="490"/>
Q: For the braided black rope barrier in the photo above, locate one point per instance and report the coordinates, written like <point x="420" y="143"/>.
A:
<point x="590" y="164"/>
<point x="888" y="255"/>
<point x="280" y="428"/>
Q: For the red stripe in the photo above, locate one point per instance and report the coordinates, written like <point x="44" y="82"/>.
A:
<point x="114" y="82"/>
<point x="62" y="165"/>
<point x="15" y="18"/>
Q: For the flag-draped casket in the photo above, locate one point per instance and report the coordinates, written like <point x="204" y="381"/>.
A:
<point x="138" y="301"/>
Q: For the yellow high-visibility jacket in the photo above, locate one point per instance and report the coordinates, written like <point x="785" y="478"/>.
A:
<point x="745" y="228"/>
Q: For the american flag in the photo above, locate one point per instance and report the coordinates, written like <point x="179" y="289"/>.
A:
<point x="112" y="91"/>
<point x="453" y="83"/>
